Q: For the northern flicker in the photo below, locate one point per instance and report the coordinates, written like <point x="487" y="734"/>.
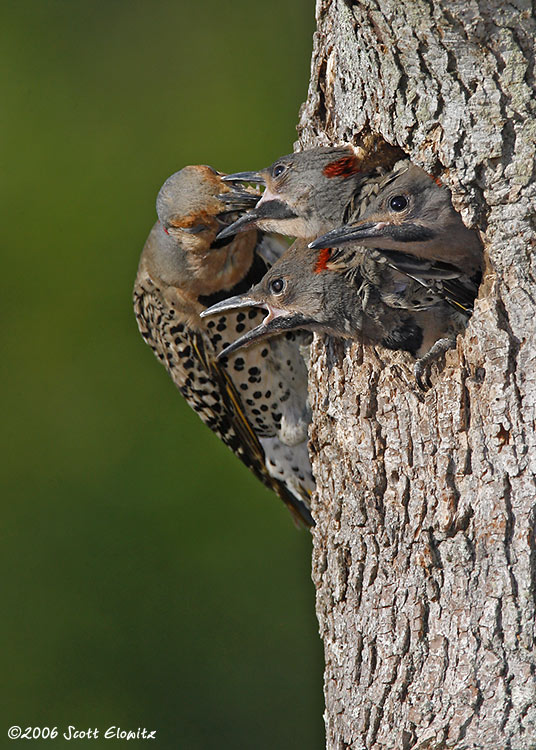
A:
<point x="310" y="192"/>
<point x="410" y="218"/>
<point x="326" y="187"/>
<point x="255" y="402"/>
<point x="320" y="188"/>
<point x="316" y="191"/>
<point x="303" y="290"/>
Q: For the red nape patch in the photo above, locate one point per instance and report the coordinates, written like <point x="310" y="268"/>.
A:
<point x="345" y="167"/>
<point x="323" y="259"/>
<point x="437" y="180"/>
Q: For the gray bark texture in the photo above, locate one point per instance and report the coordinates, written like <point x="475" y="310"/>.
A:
<point x="424" y="553"/>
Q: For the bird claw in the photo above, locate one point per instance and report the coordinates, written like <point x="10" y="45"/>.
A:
<point x="422" y="373"/>
<point x="423" y="366"/>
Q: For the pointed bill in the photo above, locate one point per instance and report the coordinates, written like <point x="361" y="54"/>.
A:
<point x="348" y="233"/>
<point x="405" y="232"/>
<point x="277" y="321"/>
<point x="233" y="303"/>
<point x="259" y="332"/>
<point x="245" y="177"/>
<point x="239" y="200"/>
<point x="240" y="225"/>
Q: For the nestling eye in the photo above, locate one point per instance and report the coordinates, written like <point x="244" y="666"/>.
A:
<point x="278" y="170"/>
<point x="277" y="286"/>
<point x="398" y="203"/>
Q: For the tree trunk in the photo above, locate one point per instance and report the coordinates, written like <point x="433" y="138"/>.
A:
<point x="424" y="553"/>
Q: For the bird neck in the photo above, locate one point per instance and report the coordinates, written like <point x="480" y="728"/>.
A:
<point x="221" y="268"/>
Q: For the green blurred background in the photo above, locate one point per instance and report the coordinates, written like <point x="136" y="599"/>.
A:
<point x="148" y="579"/>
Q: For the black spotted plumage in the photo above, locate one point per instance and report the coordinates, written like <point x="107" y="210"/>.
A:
<point x="209" y="389"/>
<point x="183" y="269"/>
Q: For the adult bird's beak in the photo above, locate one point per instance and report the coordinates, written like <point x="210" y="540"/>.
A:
<point x="245" y="177"/>
<point x="275" y="322"/>
<point x="239" y="200"/>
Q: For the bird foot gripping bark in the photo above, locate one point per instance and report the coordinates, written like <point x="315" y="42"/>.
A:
<point x="422" y="367"/>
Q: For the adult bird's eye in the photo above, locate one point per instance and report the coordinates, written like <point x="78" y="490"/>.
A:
<point x="194" y="230"/>
<point x="277" y="286"/>
<point x="398" y="203"/>
<point x="278" y="170"/>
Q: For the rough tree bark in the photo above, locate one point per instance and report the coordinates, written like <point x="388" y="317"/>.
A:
<point x="424" y="554"/>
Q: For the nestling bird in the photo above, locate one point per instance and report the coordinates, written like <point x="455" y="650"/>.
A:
<point x="310" y="192"/>
<point x="257" y="402"/>
<point x="412" y="272"/>
<point x="410" y="220"/>
<point x="304" y="291"/>
<point x="318" y="189"/>
<point x="410" y="214"/>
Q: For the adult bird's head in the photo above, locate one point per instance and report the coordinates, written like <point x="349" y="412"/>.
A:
<point x="183" y="250"/>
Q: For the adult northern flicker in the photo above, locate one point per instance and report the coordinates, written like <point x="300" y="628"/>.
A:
<point x="310" y="192"/>
<point x="256" y="402"/>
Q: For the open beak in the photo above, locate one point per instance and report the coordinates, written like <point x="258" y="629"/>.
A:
<point x="268" y="207"/>
<point x="275" y="322"/>
<point x="239" y="200"/>
<point x="240" y="225"/>
<point x="245" y="177"/>
<point x="233" y="303"/>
